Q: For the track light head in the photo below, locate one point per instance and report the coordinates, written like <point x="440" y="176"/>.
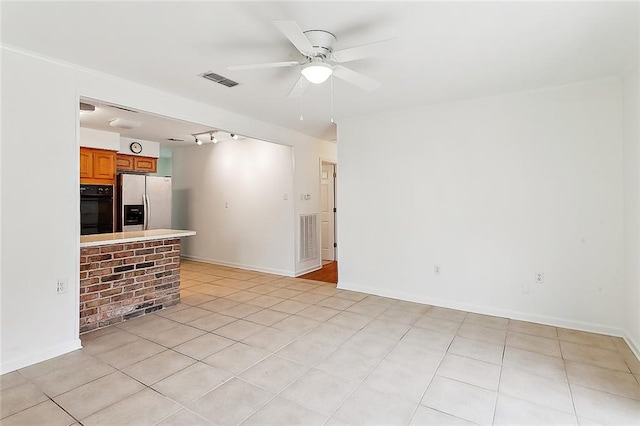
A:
<point x="234" y="136"/>
<point x="198" y="141"/>
<point x="213" y="137"/>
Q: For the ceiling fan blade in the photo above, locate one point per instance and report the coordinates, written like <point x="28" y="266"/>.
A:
<point x="298" y="88"/>
<point x="364" y="51"/>
<point x="355" y="78"/>
<point x="294" y="33"/>
<point x="267" y="65"/>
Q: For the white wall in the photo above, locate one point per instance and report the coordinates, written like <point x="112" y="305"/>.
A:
<point x="631" y="134"/>
<point x="92" y="138"/>
<point x="149" y="148"/>
<point x="165" y="162"/>
<point x="491" y="190"/>
<point x="165" y="167"/>
<point x="233" y="193"/>
<point x="40" y="235"/>
<point x="259" y="229"/>
<point x="35" y="323"/>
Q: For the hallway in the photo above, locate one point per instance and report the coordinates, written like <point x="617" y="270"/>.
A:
<point x="328" y="273"/>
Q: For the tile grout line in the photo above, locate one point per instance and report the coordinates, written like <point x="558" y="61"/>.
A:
<point x="307" y="369"/>
<point x="415" y="410"/>
<point x="495" y="403"/>
<point x="360" y="383"/>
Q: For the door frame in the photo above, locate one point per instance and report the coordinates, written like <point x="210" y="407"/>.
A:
<point x="335" y="199"/>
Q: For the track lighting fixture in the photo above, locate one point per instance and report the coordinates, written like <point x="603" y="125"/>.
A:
<point x="211" y="135"/>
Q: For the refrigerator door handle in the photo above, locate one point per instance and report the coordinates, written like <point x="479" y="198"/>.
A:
<point x="146" y="212"/>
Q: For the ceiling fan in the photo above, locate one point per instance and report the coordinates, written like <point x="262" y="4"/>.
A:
<point x="321" y="61"/>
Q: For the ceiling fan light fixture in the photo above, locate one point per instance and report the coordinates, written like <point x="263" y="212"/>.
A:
<point x="317" y="72"/>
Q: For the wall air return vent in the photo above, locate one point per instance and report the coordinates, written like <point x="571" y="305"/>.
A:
<point x="308" y="237"/>
<point x="216" y="78"/>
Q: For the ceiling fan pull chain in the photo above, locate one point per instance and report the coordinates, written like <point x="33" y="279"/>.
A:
<point x="301" y="91"/>
<point x="332" y="99"/>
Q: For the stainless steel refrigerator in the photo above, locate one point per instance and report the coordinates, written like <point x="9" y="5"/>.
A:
<point x="144" y="202"/>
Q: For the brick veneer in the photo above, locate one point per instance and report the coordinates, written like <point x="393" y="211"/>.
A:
<point x="123" y="281"/>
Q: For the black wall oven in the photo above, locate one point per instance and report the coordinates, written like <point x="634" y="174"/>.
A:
<point x="96" y="209"/>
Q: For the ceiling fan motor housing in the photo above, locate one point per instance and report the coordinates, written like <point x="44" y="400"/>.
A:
<point x="322" y="42"/>
<point x="322" y="60"/>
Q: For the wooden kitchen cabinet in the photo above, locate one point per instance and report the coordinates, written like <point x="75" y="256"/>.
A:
<point x="104" y="165"/>
<point x="124" y="162"/>
<point x="145" y="164"/>
<point x="86" y="163"/>
<point x="136" y="163"/>
<point x="97" y="166"/>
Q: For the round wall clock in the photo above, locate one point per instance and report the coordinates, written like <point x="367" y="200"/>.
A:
<point x="135" y="147"/>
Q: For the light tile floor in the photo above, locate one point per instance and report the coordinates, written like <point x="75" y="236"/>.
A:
<point x="252" y="348"/>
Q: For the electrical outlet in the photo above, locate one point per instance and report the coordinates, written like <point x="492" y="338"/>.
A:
<point x="436" y="269"/>
<point x="540" y="277"/>
<point x="62" y="286"/>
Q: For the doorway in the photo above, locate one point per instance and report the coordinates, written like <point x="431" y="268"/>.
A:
<point x="328" y="211"/>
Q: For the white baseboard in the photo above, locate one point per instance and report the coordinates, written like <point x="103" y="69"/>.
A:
<point x="239" y="265"/>
<point x="486" y="310"/>
<point x="635" y="348"/>
<point x="34" y="358"/>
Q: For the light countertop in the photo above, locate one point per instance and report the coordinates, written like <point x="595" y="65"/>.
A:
<point x="132" y="236"/>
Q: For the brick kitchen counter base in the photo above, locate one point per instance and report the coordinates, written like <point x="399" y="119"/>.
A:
<point x="126" y="280"/>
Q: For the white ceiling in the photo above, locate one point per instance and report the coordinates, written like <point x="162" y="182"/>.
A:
<point x="448" y="50"/>
<point x="153" y="127"/>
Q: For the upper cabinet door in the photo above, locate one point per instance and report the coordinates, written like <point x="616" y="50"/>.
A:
<point x="145" y="164"/>
<point x="86" y="163"/>
<point x="124" y="162"/>
<point x="136" y="163"/>
<point x="104" y="165"/>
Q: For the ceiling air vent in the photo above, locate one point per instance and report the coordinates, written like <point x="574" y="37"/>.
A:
<point x="122" y="108"/>
<point x="216" y="78"/>
<point x="84" y="107"/>
<point x="175" y="140"/>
